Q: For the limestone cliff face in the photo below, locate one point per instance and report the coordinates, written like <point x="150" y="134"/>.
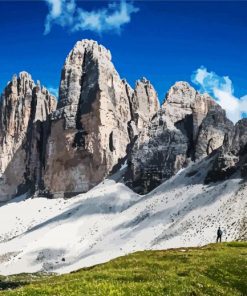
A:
<point x="95" y="121"/>
<point x="24" y="106"/>
<point x="14" y="116"/>
<point x="59" y="151"/>
<point x="144" y="103"/>
<point x="232" y="156"/>
<point x="188" y="127"/>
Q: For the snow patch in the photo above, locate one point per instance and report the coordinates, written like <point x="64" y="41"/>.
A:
<point x="62" y="235"/>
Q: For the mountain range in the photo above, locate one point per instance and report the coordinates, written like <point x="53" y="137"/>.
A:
<point x="106" y="169"/>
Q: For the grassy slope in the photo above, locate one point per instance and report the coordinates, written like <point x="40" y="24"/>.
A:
<point x="212" y="270"/>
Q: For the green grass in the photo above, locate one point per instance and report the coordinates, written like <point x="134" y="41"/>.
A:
<point x="217" y="269"/>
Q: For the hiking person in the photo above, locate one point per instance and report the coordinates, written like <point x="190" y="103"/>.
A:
<point x="219" y="235"/>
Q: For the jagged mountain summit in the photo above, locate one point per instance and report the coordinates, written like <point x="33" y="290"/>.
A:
<point x="188" y="127"/>
<point x="99" y="123"/>
<point x="97" y="117"/>
<point x="24" y="112"/>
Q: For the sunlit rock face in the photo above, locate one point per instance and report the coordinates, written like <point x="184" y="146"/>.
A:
<point x="25" y="106"/>
<point x="188" y="127"/>
<point x="98" y="116"/>
<point x="144" y="103"/>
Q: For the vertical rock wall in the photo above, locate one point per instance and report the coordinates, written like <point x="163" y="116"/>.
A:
<point x="188" y="127"/>
<point x="96" y="120"/>
<point x="24" y="107"/>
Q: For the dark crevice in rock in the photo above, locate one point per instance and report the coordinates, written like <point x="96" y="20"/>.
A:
<point x="81" y="99"/>
<point x="130" y="98"/>
<point x="186" y="127"/>
<point x="79" y="140"/>
<point x="147" y="94"/>
<point x="111" y="145"/>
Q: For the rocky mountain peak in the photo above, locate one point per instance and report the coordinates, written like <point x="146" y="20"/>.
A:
<point x="98" y="117"/>
<point x="188" y="127"/>
<point x="20" y="85"/>
<point x="231" y="158"/>
<point x="87" y="57"/>
<point x="71" y="148"/>
<point x="143" y="80"/>
<point x="180" y="93"/>
<point x="24" y="75"/>
<point x="22" y="105"/>
<point x="94" y="47"/>
<point x="144" y="102"/>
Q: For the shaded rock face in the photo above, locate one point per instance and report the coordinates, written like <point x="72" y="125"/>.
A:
<point x="98" y="117"/>
<point x="232" y="156"/>
<point x="24" y="109"/>
<point x="188" y="127"/>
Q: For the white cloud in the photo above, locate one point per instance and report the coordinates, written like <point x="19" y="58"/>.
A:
<point x="67" y="14"/>
<point x="55" y="7"/>
<point x="61" y="12"/>
<point x="221" y="88"/>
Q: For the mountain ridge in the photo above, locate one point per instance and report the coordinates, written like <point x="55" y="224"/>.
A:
<point x="99" y="121"/>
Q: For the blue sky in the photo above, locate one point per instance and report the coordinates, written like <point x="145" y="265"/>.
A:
<point x="164" y="41"/>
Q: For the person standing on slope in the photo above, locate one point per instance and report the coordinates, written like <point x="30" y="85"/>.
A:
<point x="219" y="235"/>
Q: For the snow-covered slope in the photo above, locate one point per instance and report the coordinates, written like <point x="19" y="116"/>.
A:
<point x="110" y="220"/>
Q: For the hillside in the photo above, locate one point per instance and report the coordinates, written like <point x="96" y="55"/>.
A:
<point x="62" y="235"/>
<point x="212" y="270"/>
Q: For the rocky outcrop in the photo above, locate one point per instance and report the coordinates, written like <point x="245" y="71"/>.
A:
<point x="144" y="103"/>
<point x="97" y="118"/>
<point x="232" y="156"/>
<point x="188" y="127"/>
<point x="24" y="107"/>
<point x="203" y="120"/>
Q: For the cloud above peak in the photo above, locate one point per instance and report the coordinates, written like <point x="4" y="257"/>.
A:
<point x="221" y="89"/>
<point x="67" y="14"/>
